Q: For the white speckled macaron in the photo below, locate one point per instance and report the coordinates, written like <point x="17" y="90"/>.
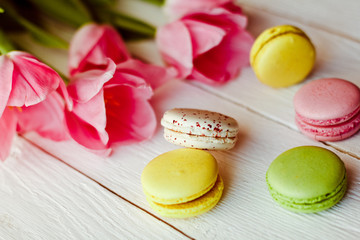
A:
<point x="200" y="129"/>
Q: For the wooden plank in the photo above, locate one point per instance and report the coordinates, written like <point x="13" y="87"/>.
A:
<point x="246" y="209"/>
<point x="43" y="198"/>
<point x="337" y="17"/>
<point x="267" y="129"/>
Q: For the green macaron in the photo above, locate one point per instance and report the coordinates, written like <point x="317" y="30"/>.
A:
<point x="307" y="179"/>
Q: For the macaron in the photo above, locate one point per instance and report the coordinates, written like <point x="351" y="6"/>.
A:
<point x="182" y="183"/>
<point x="200" y="129"/>
<point x="282" y="56"/>
<point x="307" y="179"/>
<point x="328" y="109"/>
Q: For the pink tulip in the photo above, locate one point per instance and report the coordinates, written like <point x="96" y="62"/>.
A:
<point x="25" y="81"/>
<point x="178" y="8"/>
<point x="111" y="94"/>
<point x="92" y="45"/>
<point x="26" y="88"/>
<point x="87" y="120"/>
<point x="210" y="46"/>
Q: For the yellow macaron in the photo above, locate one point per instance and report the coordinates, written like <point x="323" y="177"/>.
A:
<point x="282" y="56"/>
<point x="182" y="183"/>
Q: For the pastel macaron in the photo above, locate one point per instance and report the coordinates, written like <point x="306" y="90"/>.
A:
<point x="307" y="179"/>
<point x="282" y="56"/>
<point x="202" y="129"/>
<point x="182" y="183"/>
<point x="328" y="109"/>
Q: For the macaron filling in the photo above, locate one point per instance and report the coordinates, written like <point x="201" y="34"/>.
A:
<point x="197" y="141"/>
<point x="332" y="132"/>
<point x="327" y="122"/>
<point x="194" y="207"/>
<point x="173" y="201"/>
<point x="210" y="125"/>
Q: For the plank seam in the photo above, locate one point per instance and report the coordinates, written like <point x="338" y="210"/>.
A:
<point x="106" y="188"/>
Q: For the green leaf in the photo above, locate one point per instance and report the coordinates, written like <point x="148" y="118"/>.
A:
<point x="156" y="2"/>
<point x="36" y="32"/>
<point x="100" y="2"/>
<point x="131" y="24"/>
<point x="42" y="36"/>
<point x="132" y="36"/>
<point x="72" y="12"/>
<point x="5" y="44"/>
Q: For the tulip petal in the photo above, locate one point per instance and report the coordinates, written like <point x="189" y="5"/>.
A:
<point x="137" y="85"/>
<point x="65" y="95"/>
<point x="225" y="61"/>
<point x="204" y="36"/>
<point x="32" y="80"/>
<point x="46" y="118"/>
<point x="130" y="118"/>
<point x="87" y="121"/>
<point x="83" y="133"/>
<point x="93" y="111"/>
<point x="232" y="11"/>
<point x="127" y="77"/>
<point x="231" y="7"/>
<point x="6" y="70"/>
<point x="174" y="42"/>
<point x="8" y="129"/>
<point x="154" y="75"/>
<point x="86" y="85"/>
<point x="178" y="8"/>
<point x="92" y="45"/>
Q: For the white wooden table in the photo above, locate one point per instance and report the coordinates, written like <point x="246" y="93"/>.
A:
<point x="54" y="190"/>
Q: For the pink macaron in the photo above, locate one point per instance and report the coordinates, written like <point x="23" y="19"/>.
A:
<point x="328" y="109"/>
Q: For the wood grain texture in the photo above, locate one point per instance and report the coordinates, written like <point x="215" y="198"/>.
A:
<point x="265" y="115"/>
<point x="43" y="198"/>
<point x="336" y="17"/>
<point x="246" y="210"/>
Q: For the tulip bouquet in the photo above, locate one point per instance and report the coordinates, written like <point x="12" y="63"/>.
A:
<point x="104" y="98"/>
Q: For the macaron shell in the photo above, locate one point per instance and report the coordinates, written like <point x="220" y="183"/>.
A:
<point x="311" y="205"/>
<point x="306" y="173"/>
<point x="270" y="34"/>
<point x="179" y="176"/>
<point x="284" y="60"/>
<point x="199" y="142"/>
<point x="200" y="122"/>
<point x="330" y="133"/>
<point x="194" y="207"/>
<point x="327" y="99"/>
